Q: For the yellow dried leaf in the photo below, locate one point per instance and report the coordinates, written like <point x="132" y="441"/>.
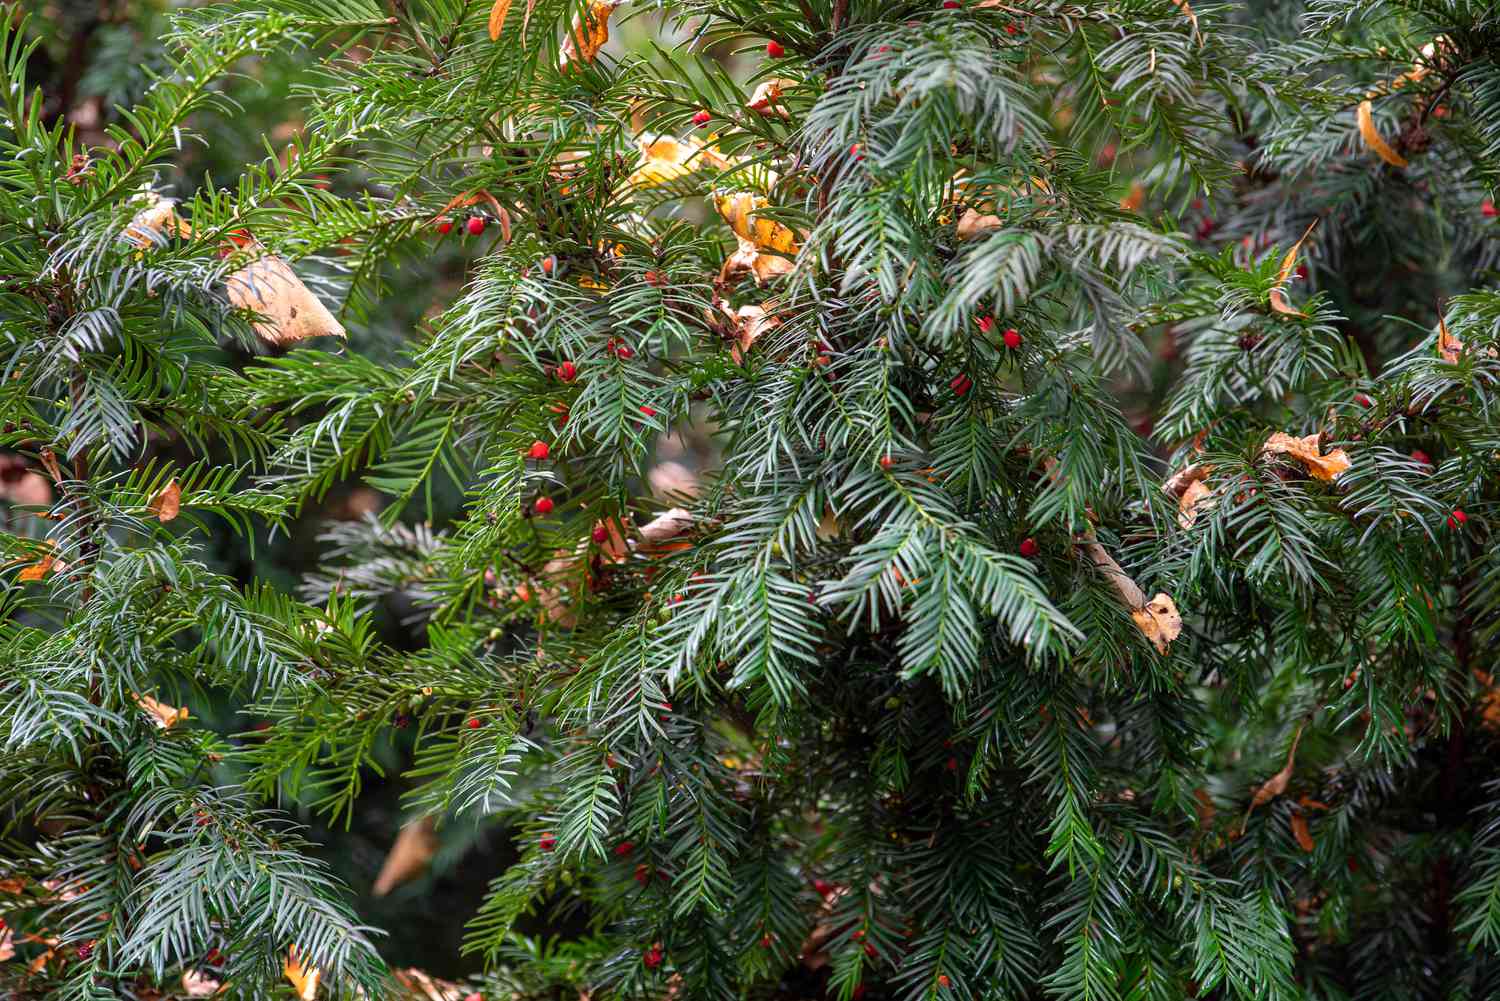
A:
<point x="291" y="312"/>
<point x="766" y="234"/>
<point x="1158" y="621"/>
<point x="41" y="568"/>
<point x="304" y="979"/>
<point x="163" y="715"/>
<point x="1306" y="451"/>
<point x="587" y="35"/>
<point x="1300" y="832"/>
<point x="974" y="224"/>
<point x="665" y="159"/>
<point x="167" y="502"/>
<point x="497" y="18"/>
<point x="409" y="857"/>
<point x="748" y="258"/>
<point x="1284" y="273"/>
<point x="1374" y="139"/>
<point x="767" y="97"/>
<point x="1196" y="495"/>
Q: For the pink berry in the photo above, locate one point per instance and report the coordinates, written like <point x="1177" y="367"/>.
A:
<point x="601" y="534"/>
<point x="701" y="118"/>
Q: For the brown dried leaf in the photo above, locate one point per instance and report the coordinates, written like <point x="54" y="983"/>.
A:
<point x="1276" y="784"/>
<point x="1306" y="451"/>
<point x="304" y="979"/>
<point x="429" y="988"/>
<point x="588" y="34"/>
<point x="497" y="18"/>
<point x="1374" y="139"/>
<point x="7" y="944"/>
<point x="1187" y="10"/>
<point x="157" y="220"/>
<point x="1197" y="494"/>
<point x="163" y="715"/>
<point x="1299" y="831"/>
<point x="1449" y="347"/>
<point x="750" y="322"/>
<point x="665" y="159"/>
<point x="973" y="224"/>
<point x="291" y="312"/>
<point x="415" y="846"/>
<point x="1158" y="621"/>
<point x="1284" y="273"/>
<point x="199" y="985"/>
<point x="167" y="502"/>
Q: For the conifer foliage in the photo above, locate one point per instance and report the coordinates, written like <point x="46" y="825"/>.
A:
<point x="1085" y="594"/>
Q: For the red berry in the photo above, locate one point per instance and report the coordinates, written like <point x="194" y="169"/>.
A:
<point x="546" y="842"/>
<point x="774" y="50"/>
<point x="960" y="384"/>
<point x="822" y="887"/>
<point x="544" y="506"/>
<point x="475" y="724"/>
<point x="624" y="848"/>
<point x="601" y="534"/>
<point x="859" y="992"/>
<point x="539" y="450"/>
<point x="567" y="371"/>
<point x="950" y="4"/>
<point x="1012" y="29"/>
<point x="1029" y="548"/>
<point x="986" y="324"/>
<point x="701" y="118"/>
<point x="642" y="874"/>
<point x="475" y="225"/>
<point x="549" y="264"/>
<point x="870" y="949"/>
<point x="951" y="764"/>
<point x="1457" y="518"/>
<point x="649" y="411"/>
<point x="886" y="462"/>
<point x="857" y="934"/>
<point x="1363" y="400"/>
<point x="943" y="980"/>
<point x="1417" y="455"/>
<point x="1488" y="209"/>
<point x="765" y="941"/>
<point x="1012" y="338"/>
<point x="444" y="226"/>
<point x="623" y="351"/>
<point x="652" y="958"/>
<point x="854" y="151"/>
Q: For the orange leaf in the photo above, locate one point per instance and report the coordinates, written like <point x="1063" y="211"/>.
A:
<point x="497" y="18"/>
<point x="1276" y="784"/>
<point x="750" y="322"/>
<point x="1301" y="833"/>
<point x="1196" y="495"/>
<point x="1306" y="451"/>
<point x="1373" y="138"/>
<point x="1159" y="621"/>
<point x="305" y="979"/>
<point x="163" y="715"/>
<point x="167" y="502"/>
<point x="1284" y="273"/>
<point x="1132" y="202"/>
<point x="588" y="34"/>
<point x="974" y="223"/>
<point x="767" y="97"/>
<point x="1449" y="347"/>
<point x="39" y="569"/>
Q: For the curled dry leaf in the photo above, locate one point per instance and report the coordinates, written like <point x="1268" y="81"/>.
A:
<point x="750" y="322"/>
<point x="167" y="502"/>
<point x="739" y="210"/>
<point x="199" y="985"/>
<point x="665" y="159"/>
<point x="163" y="715"/>
<point x="1276" y="784"/>
<point x="1300" y="832"/>
<point x="1284" y="274"/>
<point x="1307" y="451"/>
<point x="587" y="35"/>
<point x="497" y="18"/>
<point x="974" y="224"/>
<point x="1372" y="137"/>
<point x="767" y="97"/>
<point x="1158" y="621"/>
<point x="409" y="857"/>
<point x="156" y="221"/>
<point x="429" y="988"/>
<point x="1449" y="347"/>
<point x="749" y="260"/>
<point x="1196" y="496"/>
<point x="303" y="978"/>
<point x="40" y="569"/>
<point x="291" y="312"/>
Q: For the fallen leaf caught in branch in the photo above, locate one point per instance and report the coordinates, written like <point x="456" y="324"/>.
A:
<point x="750" y="322"/>
<point x="409" y="857"/>
<point x="1276" y="784"/>
<point x="497" y="18"/>
<point x="1300" y="832"/>
<point x="291" y="312"/>
<point x="167" y="502"/>
<point x="1373" y="139"/>
<point x="1284" y="274"/>
<point x="767" y="97"/>
<point x="587" y="35"/>
<point x="1158" y="621"/>
<point x="304" y="979"/>
<point x="973" y="224"/>
<point x="1307" y="451"/>
<point x="163" y="715"/>
<point x="1195" y="496"/>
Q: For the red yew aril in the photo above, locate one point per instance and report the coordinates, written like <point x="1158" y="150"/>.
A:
<point x="1012" y="338"/>
<point x="1457" y="518"/>
<point x="539" y="450"/>
<point x="1029" y="547"/>
<point x="544" y="506"/>
<point x="567" y="371"/>
<point x="774" y="50"/>
<point x="475" y="225"/>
